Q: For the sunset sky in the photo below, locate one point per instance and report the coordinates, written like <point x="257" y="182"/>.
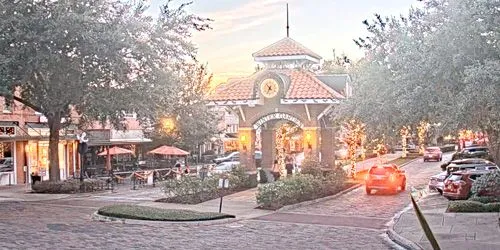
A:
<point x="242" y="27"/>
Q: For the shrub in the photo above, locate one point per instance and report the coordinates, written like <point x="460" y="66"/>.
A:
<point x="299" y="188"/>
<point x="158" y="214"/>
<point x="487" y="185"/>
<point x="485" y="199"/>
<point x="191" y="189"/>
<point x="472" y="207"/>
<point x="263" y="176"/>
<point x="311" y="166"/>
<point x="239" y="179"/>
<point x="68" y="186"/>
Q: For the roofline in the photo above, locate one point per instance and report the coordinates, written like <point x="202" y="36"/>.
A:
<point x="254" y="102"/>
<point x="287" y="57"/>
<point x="304" y="47"/>
<point x="344" y="74"/>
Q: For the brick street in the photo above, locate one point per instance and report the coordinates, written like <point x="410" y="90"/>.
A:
<point x="353" y="221"/>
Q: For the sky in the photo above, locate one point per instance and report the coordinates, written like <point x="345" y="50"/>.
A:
<point x="242" y="27"/>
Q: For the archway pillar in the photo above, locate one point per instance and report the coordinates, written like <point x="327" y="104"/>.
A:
<point x="327" y="147"/>
<point x="267" y="141"/>
<point x="246" y="136"/>
<point x="311" y="142"/>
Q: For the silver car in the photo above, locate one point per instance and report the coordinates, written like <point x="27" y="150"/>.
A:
<point x="436" y="183"/>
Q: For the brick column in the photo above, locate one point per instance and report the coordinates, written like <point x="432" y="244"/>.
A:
<point x="267" y="141"/>
<point x="311" y="142"/>
<point x="327" y="147"/>
<point x="246" y="137"/>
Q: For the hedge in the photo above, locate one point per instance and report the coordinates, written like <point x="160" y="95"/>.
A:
<point x="68" y="186"/>
<point x="469" y="206"/>
<point x="158" y="214"/>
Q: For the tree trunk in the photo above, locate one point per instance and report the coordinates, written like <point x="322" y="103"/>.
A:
<point x="54" y="128"/>
<point x="494" y="144"/>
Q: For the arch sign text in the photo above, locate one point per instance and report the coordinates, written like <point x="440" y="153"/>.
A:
<point x="277" y="116"/>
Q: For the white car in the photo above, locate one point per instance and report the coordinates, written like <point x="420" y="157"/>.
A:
<point x="436" y="182"/>
<point x="225" y="167"/>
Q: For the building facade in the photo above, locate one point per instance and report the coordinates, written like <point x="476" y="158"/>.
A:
<point x="282" y="109"/>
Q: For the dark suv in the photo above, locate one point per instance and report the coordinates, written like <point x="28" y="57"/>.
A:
<point x="473" y="152"/>
<point x="385" y="177"/>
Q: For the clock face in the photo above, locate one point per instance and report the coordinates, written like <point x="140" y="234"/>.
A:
<point x="269" y="88"/>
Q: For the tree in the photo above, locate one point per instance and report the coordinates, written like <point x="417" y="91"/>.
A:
<point x="194" y="122"/>
<point x="97" y="58"/>
<point x="338" y="65"/>
<point x="434" y="64"/>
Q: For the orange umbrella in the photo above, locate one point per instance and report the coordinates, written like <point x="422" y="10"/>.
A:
<point x="168" y="150"/>
<point x="116" y="151"/>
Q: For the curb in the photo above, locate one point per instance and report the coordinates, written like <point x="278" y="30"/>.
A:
<point x="102" y="218"/>
<point x="401" y="241"/>
<point x="306" y="203"/>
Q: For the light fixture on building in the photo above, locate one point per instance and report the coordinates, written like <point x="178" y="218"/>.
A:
<point x="308" y="140"/>
<point x="243" y="140"/>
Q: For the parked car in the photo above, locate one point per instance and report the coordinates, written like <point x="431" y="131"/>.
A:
<point x="458" y="185"/>
<point x="473" y="152"/>
<point x="234" y="156"/>
<point x="433" y="153"/>
<point x="436" y="182"/>
<point x="225" y="167"/>
<point x="385" y="177"/>
<point x="476" y="163"/>
<point x="6" y="164"/>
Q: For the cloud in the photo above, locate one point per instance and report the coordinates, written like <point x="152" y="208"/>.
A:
<point x="244" y="17"/>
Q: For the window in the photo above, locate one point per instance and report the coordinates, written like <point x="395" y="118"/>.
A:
<point x="7" y="131"/>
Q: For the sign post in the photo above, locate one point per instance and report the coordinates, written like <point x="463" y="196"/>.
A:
<point x="223" y="184"/>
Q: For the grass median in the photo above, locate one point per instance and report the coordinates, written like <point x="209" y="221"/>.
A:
<point x="158" y="214"/>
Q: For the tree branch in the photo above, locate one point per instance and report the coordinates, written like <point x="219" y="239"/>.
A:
<point x="24" y="102"/>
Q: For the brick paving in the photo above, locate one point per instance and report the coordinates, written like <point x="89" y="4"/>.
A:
<point x="351" y="222"/>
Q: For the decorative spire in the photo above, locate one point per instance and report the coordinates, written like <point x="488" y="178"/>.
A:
<point x="287" y="23"/>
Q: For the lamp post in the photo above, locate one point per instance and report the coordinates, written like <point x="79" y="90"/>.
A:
<point x="82" y="149"/>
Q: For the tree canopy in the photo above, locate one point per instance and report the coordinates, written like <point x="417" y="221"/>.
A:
<point x="96" y="58"/>
<point x="439" y="63"/>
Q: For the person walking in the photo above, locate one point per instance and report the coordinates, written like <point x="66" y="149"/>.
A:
<point x="289" y="165"/>
<point x="276" y="170"/>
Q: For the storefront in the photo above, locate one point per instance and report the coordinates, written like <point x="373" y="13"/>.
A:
<point x="37" y="155"/>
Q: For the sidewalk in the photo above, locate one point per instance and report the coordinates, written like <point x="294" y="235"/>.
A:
<point x="452" y="230"/>
<point x="241" y="204"/>
<point x="21" y="193"/>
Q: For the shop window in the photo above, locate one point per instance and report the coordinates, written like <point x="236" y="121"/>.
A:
<point x="7" y="131"/>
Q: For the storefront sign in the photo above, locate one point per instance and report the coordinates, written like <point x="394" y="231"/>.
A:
<point x="277" y="116"/>
<point x="7" y="131"/>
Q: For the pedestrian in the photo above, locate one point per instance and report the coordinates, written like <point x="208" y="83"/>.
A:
<point x="276" y="170"/>
<point x="289" y="165"/>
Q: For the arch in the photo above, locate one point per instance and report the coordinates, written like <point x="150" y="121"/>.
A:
<point x="277" y="116"/>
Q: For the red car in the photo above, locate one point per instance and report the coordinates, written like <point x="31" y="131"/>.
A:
<point x="385" y="177"/>
<point x="458" y="185"/>
<point x="433" y="153"/>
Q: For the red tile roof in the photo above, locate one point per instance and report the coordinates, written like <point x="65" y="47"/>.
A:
<point x="285" y="47"/>
<point x="302" y="85"/>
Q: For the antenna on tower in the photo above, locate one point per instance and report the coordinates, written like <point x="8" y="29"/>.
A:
<point x="287" y="22"/>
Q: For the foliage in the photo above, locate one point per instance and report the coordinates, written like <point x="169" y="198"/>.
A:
<point x="263" y="176"/>
<point x="447" y="148"/>
<point x="487" y="185"/>
<point x="311" y="166"/>
<point x="137" y="212"/>
<point x="298" y="188"/>
<point x="195" y="122"/>
<point x="412" y="70"/>
<point x="485" y="199"/>
<point x="468" y="206"/>
<point x="194" y="190"/>
<point x="93" y="60"/>
<point x="339" y="65"/>
<point x="68" y="186"/>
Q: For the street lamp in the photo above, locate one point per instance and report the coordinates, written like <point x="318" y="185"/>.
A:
<point x="167" y="124"/>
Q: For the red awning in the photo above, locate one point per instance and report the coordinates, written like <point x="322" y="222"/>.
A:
<point x="116" y="151"/>
<point x="168" y="150"/>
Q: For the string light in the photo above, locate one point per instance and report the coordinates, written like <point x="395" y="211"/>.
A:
<point x="354" y="137"/>
<point x="422" y="128"/>
<point x="404" y="132"/>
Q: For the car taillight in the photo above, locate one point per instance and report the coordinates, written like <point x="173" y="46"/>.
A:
<point x="392" y="178"/>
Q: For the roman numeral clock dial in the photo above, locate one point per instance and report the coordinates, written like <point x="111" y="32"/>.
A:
<point x="269" y="88"/>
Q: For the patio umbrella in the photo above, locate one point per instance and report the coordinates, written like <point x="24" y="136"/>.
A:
<point x="168" y="150"/>
<point x="116" y="151"/>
